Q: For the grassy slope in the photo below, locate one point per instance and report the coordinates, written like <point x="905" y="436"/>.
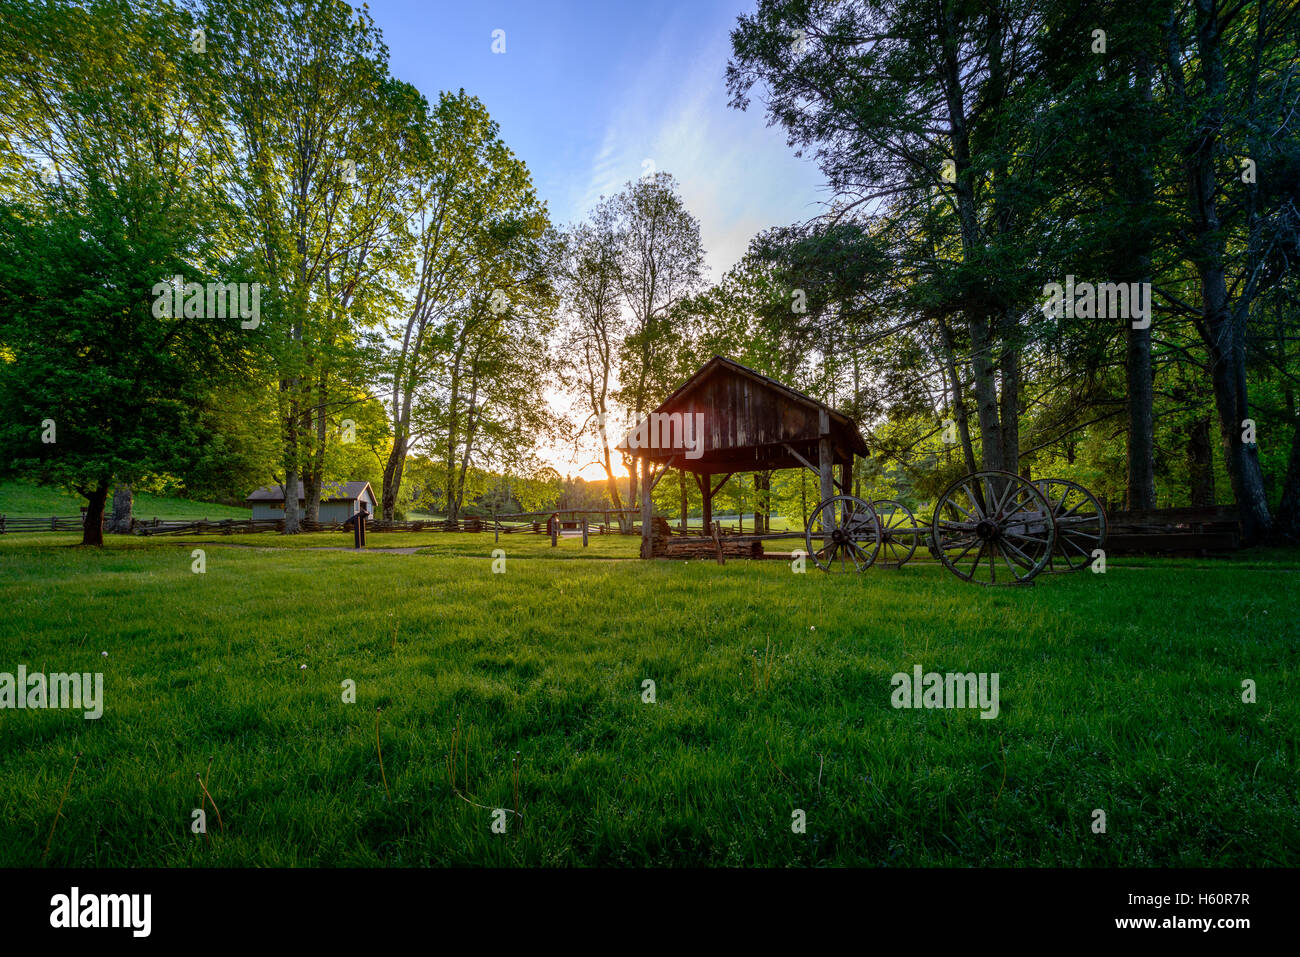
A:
<point x="1119" y="692"/>
<point x="21" y="498"/>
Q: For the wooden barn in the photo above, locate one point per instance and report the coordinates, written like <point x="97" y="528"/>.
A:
<point x="728" y="419"/>
<point x="338" y="502"/>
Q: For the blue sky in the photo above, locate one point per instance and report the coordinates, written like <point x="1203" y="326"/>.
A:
<point x="587" y="91"/>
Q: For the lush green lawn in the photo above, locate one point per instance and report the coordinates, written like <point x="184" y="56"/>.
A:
<point x="1119" y="691"/>
<point x="22" y="498"/>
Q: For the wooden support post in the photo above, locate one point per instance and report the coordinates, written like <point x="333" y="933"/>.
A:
<point x="645" y="507"/>
<point x="682" y="478"/>
<point x="707" y="491"/>
<point x="825" y="466"/>
<point x="846" y="477"/>
<point x="555" y="528"/>
<point x="584" y="531"/>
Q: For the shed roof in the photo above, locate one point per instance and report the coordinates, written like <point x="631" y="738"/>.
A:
<point x="751" y="422"/>
<point x="330" y="492"/>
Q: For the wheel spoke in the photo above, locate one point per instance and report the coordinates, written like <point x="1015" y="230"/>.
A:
<point x="1031" y="561"/>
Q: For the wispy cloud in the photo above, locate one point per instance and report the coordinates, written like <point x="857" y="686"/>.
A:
<point x="736" y="175"/>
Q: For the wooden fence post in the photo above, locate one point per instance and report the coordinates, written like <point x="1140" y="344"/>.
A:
<point x="584" y="531"/>
<point x="555" y="528"/>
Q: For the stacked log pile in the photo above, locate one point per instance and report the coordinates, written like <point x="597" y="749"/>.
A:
<point x="664" y="544"/>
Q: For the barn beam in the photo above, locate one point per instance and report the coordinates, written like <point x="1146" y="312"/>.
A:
<point x="661" y="472"/>
<point x="795" y="452"/>
<point x="826" y="461"/>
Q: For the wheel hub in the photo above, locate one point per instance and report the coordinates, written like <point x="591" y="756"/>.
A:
<point x="988" y="531"/>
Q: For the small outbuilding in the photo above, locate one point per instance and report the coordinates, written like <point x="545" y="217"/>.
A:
<point x="728" y="418"/>
<point x="338" y="501"/>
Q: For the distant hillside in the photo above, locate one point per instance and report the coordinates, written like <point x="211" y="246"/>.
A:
<point x="22" y="498"/>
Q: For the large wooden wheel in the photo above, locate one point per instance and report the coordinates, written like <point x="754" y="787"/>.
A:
<point x="843" y="534"/>
<point x="1080" y="524"/>
<point x="898" y="532"/>
<point x="994" y="528"/>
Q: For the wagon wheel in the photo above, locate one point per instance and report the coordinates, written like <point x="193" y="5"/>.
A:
<point x="898" y="532"/>
<point x="843" y="534"/>
<point x="1080" y="524"/>
<point x="994" y="528"/>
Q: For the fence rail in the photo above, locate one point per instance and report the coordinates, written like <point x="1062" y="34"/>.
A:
<point x="536" y="523"/>
<point x="55" y="523"/>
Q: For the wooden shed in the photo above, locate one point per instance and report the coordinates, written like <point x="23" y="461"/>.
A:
<point x="339" y="501"/>
<point x="726" y="419"/>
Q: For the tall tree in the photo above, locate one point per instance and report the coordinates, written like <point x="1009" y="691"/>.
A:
<point x="107" y="162"/>
<point x="591" y="287"/>
<point x="322" y="132"/>
<point x="662" y="263"/>
<point x="472" y="220"/>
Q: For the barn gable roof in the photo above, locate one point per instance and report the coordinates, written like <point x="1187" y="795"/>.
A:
<point x="330" y="492"/>
<point x="751" y="422"/>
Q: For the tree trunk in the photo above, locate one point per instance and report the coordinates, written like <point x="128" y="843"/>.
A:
<point x="1288" y="508"/>
<point x="1141" y="482"/>
<point x="986" y="395"/>
<point x="393" y="469"/>
<point x="1222" y="322"/>
<point x="92" y="530"/>
<point x="960" y="416"/>
<point x="1010" y="405"/>
<point x="1141" y="420"/>
<point x="120" y="522"/>
<point x="1242" y="459"/>
<point x="291" y="514"/>
<point x="315" y="477"/>
<point x="1200" y="464"/>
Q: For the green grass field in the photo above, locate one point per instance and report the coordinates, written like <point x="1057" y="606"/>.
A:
<point x="22" y="498"/>
<point x="1120" y="692"/>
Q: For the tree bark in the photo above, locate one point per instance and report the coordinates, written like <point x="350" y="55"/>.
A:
<point x="92" y="530"/>
<point x="1221" y="322"/>
<point x="315" y="477"/>
<point x="960" y="416"/>
<point x="1200" y="464"/>
<point x="393" y="477"/>
<point x="1010" y="405"/>
<point x="1141" y="482"/>
<point x="986" y="395"/>
<point x="1288" y="508"/>
<point x="1141" y="419"/>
